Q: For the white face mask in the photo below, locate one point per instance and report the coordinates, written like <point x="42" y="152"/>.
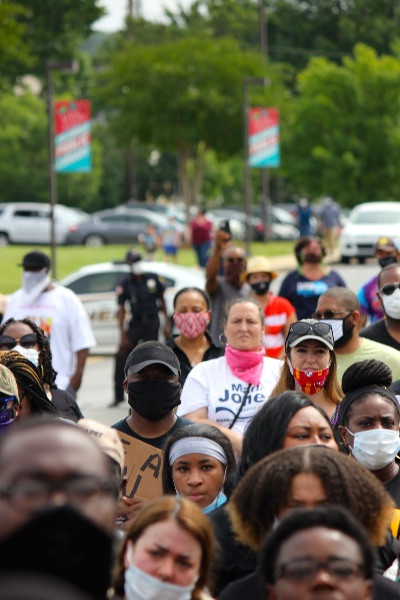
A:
<point x="142" y="586"/>
<point x="31" y="279"/>
<point x="376" y="448"/>
<point x="29" y="353"/>
<point x="337" y="327"/>
<point x="391" y="304"/>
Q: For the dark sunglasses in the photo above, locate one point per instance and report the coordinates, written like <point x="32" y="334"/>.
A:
<point x="328" y="314"/>
<point x="389" y="288"/>
<point x="8" y="343"/>
<point x="233" y="259"/>
<point x="301" y="328"/>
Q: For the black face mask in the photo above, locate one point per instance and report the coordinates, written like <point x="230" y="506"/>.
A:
<point x="347" y="334"/>
<point x="260" y="288"/>
<point x="63" y="543"/>
<point x="311" y="257"/>
<point x="387" y="260"/>
<point x="153" y="400"/>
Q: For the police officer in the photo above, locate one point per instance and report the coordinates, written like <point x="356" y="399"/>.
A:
<point x="145" y="293"/>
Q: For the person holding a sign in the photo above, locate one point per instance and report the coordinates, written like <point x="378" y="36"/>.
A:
<point x="228" y="391"/>
<point x="167" y="553"/>
<point x="200" y="465"/>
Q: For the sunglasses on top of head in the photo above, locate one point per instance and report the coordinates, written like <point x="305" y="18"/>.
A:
<point x="301" y="328"/>
<point x="26" y="341"/>
<point x="389" y="288"/>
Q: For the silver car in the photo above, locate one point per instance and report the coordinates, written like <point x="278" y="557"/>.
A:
<point x="29" y="222"/>
<point x="95" y="285"/>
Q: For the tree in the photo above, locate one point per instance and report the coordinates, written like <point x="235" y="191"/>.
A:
<point x="343" y="135"/>
<point x="184" y="97"/>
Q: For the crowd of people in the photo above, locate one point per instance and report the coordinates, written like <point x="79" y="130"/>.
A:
<point x="271" y="424"/>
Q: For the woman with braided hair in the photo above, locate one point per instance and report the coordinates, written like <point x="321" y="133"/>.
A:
<point x="305" y="477"/>
<point x="25" y="337"/>
<point x="368" y="421"/>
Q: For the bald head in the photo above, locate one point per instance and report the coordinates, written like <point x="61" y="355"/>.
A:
<point x="389" y="274"/>
<point x="342" y="296"/>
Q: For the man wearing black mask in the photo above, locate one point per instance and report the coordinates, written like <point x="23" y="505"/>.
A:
<point x="57" y="504"/>
<point x="340" y="308"/>
<point x="386" y="253"/>
<point x="152" y="383"/>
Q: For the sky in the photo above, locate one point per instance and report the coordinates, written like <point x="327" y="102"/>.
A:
<point x="152" y="10"/>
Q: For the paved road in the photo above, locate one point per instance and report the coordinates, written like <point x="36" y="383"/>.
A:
<point x="97" y="392"/>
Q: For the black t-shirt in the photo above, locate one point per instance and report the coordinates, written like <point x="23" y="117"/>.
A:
<point x="214" y="351"/>
<point x="393" y="488"/>
<point x="157" y="442"/>
<point x="378" y="333"/>
<point x="143" y="292"/>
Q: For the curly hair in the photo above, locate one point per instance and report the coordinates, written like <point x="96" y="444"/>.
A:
<point x="264" y="492"/>
<point x="188" y="516"/>
<point x="206" y="431"/>
<point x="28" y="378"/>
<point x="45" y="358"/>
<point x="274" y="416"/>
<point x="362" y="379"/>
<point x="332" y="387"/>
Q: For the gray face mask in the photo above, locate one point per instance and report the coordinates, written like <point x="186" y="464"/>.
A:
<point x="142" y="586"/>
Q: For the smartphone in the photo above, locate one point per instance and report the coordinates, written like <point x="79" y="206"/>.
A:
<point x="225" y="226"/>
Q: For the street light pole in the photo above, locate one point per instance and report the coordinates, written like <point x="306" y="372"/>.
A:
<point x="265" y="195"/>
<point x="247" y="82"/>
<point x="69" y="66"/>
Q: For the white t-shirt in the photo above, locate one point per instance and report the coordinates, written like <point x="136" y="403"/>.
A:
<point x="212" y="384"/>
<point x="61" y="315"/>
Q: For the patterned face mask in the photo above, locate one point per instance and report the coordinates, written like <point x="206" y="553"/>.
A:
<point x="310" y="380"/>
<point x="191" y="324"/>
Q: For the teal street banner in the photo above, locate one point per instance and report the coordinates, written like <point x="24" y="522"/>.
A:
<point x="72" y="136"/>
<point x="263" y="137"/>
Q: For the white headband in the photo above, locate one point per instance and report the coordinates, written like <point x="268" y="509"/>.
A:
<point x="197" y="445"/>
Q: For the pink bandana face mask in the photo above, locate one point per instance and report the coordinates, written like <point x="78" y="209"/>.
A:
<point x="191" y="324"/>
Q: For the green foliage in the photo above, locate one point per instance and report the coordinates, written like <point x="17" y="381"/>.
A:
<point x="15" y="54"/>
<point x="344" y="138"/>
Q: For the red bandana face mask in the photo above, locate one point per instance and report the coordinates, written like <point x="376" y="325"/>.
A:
<point x="309" y="380"/>
<point x="191" y="324"/>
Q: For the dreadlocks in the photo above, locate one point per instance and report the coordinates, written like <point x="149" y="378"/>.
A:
<point x="29" y="380"/>
<point x="48" y="373"/>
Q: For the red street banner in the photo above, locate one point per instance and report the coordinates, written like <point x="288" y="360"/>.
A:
<point x="263" y="137"/>
<point x="72" y="136"/>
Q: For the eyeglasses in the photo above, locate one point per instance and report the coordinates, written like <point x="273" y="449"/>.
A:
<point x="302" y="328"/>
<point x="8" y="343"/>
<point x="303" y="570"/>
<point x="329" y="314"/>
<point x="233" y="259"/>
<point x="389" y="288"/>
<point x="29" y="494"/>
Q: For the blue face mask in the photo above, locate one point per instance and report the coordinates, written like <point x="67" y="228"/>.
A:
<point x="219" y="501"/>
<point x="142" y="586"/>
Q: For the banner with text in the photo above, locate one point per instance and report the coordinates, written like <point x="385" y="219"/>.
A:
<point x="263" y="137"/>
<point x="143" y="468"/>
<point x="72" y="136"/>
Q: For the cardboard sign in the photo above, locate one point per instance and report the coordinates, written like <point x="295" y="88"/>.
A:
<point x="143" y="468"/>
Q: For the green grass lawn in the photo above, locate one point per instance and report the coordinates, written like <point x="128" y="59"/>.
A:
<point x="70" y="258"/>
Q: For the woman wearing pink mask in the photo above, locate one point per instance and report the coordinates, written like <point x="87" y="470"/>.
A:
<point x="228" y="391"/>
<point x="310" y="366"/>
<point x="193" y="344"/>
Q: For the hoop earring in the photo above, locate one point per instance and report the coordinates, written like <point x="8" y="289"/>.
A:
<point x="220" y="338"/>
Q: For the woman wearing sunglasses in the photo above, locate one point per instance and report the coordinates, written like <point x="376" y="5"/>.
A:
<point x="310" y="365"/>
<point x="29" y="340"/>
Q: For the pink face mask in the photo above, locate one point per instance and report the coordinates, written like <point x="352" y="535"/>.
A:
<point x="191" y="324"/>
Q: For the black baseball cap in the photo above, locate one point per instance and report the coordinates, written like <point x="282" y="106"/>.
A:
<point x="132" y="256"/>
<point x="35" y="259"/>
<point x="309" y="329"/>
<point x="150" y="353"/>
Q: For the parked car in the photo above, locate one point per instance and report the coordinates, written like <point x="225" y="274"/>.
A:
<point x="29" y="222"/>
<point x="116" y="226"/>
<point x="95" y="285"/>
<point x="365" y="224"/>
<point x="281" y="223"/>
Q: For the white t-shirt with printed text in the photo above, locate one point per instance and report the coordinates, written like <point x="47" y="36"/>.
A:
<point x="61" y="315"/>
<point x="212" y="385"/>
